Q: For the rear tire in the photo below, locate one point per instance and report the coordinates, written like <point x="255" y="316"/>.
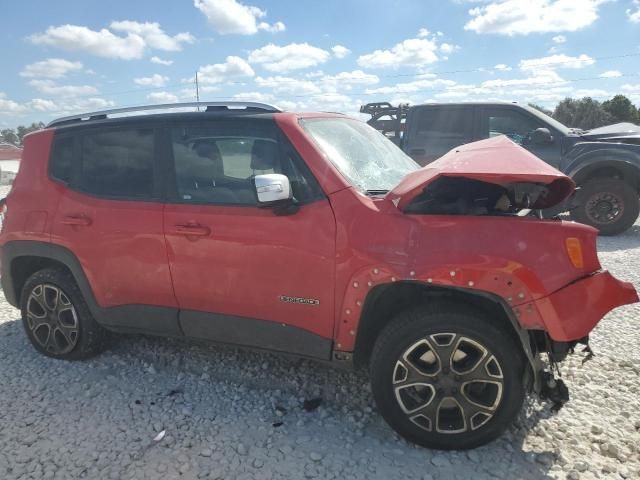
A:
<point x="461" y="403"/>
<point x="57" y="319"/>
<point x="608" y="204"/>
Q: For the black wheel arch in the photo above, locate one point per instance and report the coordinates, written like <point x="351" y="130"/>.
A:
<point x="384" y="301"/>
<point x="605" y="165"/>
<point x="22" y="258"/>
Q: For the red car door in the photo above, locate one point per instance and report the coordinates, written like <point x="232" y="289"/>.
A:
<point x="241" y="273"/>
<point x="110" y="216"/>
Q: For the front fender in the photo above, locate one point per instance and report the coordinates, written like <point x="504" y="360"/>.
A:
<point x="510" y="287"/>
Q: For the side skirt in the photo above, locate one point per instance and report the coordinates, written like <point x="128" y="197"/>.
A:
<point x="253" y="333"/>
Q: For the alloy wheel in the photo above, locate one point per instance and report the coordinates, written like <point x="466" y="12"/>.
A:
<point x="52" y="319"/>
<point x="448" y="383"/>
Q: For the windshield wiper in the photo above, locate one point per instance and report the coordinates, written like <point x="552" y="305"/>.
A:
<point x="376" y="192"/>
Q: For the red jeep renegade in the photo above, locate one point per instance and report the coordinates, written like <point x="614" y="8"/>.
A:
<point x="309" y="234"/>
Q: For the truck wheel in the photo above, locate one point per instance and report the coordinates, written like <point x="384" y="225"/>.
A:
<point x="608" y="204"/>
<point x="57" y="319"/>
<point x="444" y="377"/>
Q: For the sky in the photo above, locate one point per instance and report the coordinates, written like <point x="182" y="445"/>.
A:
<point x="73" y="56"/>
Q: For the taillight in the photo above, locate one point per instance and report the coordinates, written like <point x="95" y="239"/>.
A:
<point x="574" y="251"/>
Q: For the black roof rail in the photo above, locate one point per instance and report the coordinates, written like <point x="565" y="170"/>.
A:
<point x="208" y="107"/>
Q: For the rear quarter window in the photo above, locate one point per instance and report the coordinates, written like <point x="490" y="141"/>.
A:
<point x="61" y="162"/>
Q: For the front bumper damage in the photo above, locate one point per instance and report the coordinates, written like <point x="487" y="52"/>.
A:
<point x="569" y="315"/>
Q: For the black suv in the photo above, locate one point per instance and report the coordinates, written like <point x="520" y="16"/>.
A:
<point x="604" y="162"/>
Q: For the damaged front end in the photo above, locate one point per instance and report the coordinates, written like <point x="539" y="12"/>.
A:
<point x="492" y="177"/>
<point x="545" y="271"/>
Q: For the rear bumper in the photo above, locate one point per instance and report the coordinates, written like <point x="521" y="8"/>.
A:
<point x="573" y="311"/>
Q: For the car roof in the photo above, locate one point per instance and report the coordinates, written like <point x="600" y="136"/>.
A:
<point x="176" y="111"/>
<point x="154" y="118"/>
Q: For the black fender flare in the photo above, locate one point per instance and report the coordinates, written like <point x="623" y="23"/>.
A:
<point x="589" y="160"/>
<point x="15" y="249"/>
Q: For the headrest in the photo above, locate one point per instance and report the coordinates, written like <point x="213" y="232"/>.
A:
<point x="264" y="155"/>
<point x="207" y="148"/>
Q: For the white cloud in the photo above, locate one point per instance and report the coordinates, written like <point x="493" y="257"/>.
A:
<point x="629" y="87"/>
<point x="155" y="80"/>
<point x="289" y="57"/>
<point x="49" y="87"/>
<point x="291" y="86"/>
<point x="231" y="16"/>
<point x="412" y="87"/>
<point x="67" y="107"/>
<point x="50" y="68"/>
<point x="104" y="43"/>
<point x="559" y="39"/>
<point x="41" y="105"/>
<point x="340" y="51"/>
<point x="448" y="48"/>
<point x="423" y="32"/>
<point x="162" y="97"/>
<point x="233" y="67"/>
<point x="521" y="17"/>
<point x="502" y="67"/>
<point x="9" y="106"/>
<point x="611" y="74"/>
<point x="274" y="28"/>
<point x="412" y="52"/>
<point x="153" y="35"/>
<point x="556" y="61"/>
<point x="356" y="77"/>
<point x="160" y="61"/>
<point x="634" y="16"/>
<point x="540" y="77"/>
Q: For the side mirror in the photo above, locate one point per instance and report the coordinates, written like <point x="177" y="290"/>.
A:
<point x="541" y="136"/>
<point x="272" y="187"/>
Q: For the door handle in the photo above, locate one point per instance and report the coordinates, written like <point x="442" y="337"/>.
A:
<point x="192" y="230"/>
<point x="76" y="221"/>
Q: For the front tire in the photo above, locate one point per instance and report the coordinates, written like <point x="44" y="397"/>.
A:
<point x="608" y="204"/>
<point x="57" y="319"/>
<point x="446" y="378"/>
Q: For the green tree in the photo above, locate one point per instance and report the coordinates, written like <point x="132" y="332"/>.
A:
<point x="584" y="113"/>
<point x="22" y="130"/>
<point x="8" y="135"/>
<point x="621" y="109"/>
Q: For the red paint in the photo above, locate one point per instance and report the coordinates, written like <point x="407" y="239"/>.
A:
<point x="251" y="258"/>
<point x="240" y="260"/>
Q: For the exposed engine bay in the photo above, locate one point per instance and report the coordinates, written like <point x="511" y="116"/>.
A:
<point x="465" y="196"/>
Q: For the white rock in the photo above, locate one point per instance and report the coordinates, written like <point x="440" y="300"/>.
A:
<point x="315" y="456"/>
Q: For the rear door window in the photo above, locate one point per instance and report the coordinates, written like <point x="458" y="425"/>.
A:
<point x="436" y="130"/>
<point x="118" y="162"/>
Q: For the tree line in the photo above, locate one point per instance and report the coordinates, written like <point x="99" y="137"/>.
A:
<point x="587" y="113"/>
<point x="15" y="136"/>
<point x="584" y="113"/>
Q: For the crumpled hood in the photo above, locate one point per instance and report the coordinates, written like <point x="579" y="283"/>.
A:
<point x="496" y="160"/>
<point x="619" y="132"/>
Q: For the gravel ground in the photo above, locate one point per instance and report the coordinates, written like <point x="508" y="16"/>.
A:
<point x="231" y="414"/>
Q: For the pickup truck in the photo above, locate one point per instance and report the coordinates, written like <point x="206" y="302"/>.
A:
<point x="604" y="162"/>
